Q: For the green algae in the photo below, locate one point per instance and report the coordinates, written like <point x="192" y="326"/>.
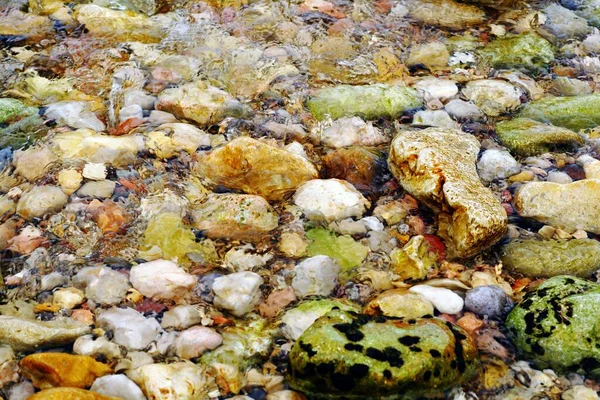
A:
<point x="348" y="252"/>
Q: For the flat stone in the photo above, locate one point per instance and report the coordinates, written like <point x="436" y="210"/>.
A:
<point x="98" y="189"/>
<point x="356" y="356"/>
<point x="29" y="335"/>
<point x="437" y="166"/>
<point x="546" y="258"/>
<point x="257" y="168"/>
<point x="235" y="216"/>
<point x="571" y="112"/>
<point x="568" y="206"/>
<point x="445" y="13"/>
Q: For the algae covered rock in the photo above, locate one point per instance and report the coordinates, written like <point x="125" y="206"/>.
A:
<point x="239" y="216"/>
<point x="28" y="335"/>
<point x="557" y="325"/>
<point x="367" y="101"/>
<point x="437" y="166"/>
<point x="572" y="112"/>
<point x="12" y="109"/>
<point x="200" y="102"/>
<point x="356" y="356"/>
<point x="257" y="168"/>
<point x="348" y="252"/>
<point x="528" y="51"/>
<point x="544" y="258"/>
<point x="569" y="206"/>
<point x="446" y="13"/>
<point x="526" y="137"/>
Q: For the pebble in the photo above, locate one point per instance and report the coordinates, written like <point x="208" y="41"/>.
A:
<point x="69" y="180"/>
<point x="194" y="341"/>
<point x="94" y="171"/>
<point x="497" y="164"/>
<point x="490" y="301"/>
<point x="330" y="200"/>
<point x="32" y="162"/>
<point x="9" y="369"/>
<point x="437" y="88"/>
<point x="88" y="346"/>
<point x="131" y="111"/>
<point x="102" y="284"/>
<point x="41" y="200"/>
<point x="99" y="189"/>
<point x="559" y="177"/>
<point x="493" y="97"/>
<point x="315" y="276"/>
<point x="68" y="298"/>
<point x="350" y="131"/>
<point x="182" y="380"/>
<point x="118" y="386"/>
<point x="181" y="317"/>
<point x="29" y="335"/>
<point x="130" y="328"/>
<point x="461" y="109"/>
<point x="161" y="280"/>
<point x="239" y="293"/>
<point x="444" y="300"/>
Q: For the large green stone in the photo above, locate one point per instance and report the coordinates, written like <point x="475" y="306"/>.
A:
<point x="12" y="109"/>
<point x="528" y="51"/>
<point x="368" y="101"/>
<point x="525" y="137"/>
<point x="355" y="356"/>
<point x="557" y="325"/>
<point x="573" y="112"/>
<point x="544" y="258"/>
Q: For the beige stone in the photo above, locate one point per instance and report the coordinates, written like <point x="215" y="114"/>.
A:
<point x="28" y="335"/>
<point x="32" y="163"/>
<point x="569" y="206"/>
<point x="399" y="303"/>
<point x="257" y="168"/>
<point x="437" y="166"/>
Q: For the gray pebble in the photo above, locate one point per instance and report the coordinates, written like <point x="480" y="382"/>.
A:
<point x="490" y="301"/>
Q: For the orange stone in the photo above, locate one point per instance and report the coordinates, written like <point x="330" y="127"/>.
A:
<point x="68" y="394"/>
<point x="48" y="370"/>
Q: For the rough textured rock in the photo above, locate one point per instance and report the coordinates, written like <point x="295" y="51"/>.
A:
<point x="526" y="137"/>
<point x="544" y="258"/>
<point x="41" y="200"/>
<point x="446" y="13"/>
<point x="257" y="168"/>
<point x="354" y="356"/>
<point x="48" y="370"/>
<point x="493" y="97"/>
<point x="102" y="284"/>
<point x="528" y="51"/>
<point x="437" y="166"/>
<point x="415" y="260"/>
<point x="556" y="325"/>
<point x="368" y="102"/>
<point x="32" y="163"/>
<point x="569" y="206"/>
<point x="182" y="380"/>
<point x="200" y="102"/>
<point x="330" y="200"/>
<point x="236" y="216"/>
<point x="28" y="335"/>
<point x="572" y="112"/>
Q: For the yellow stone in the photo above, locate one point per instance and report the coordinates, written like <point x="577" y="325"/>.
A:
<point x="69" y="394"/>
<point x="257" y="168"/>
<point x="48" y="370"/>
<point x="415" y="260"/>
<point x="399" y="303"/>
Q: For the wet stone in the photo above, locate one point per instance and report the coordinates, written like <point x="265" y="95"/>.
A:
<point x="349" y="355"/>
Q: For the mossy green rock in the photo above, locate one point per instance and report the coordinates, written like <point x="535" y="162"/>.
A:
<point x="348" y="252"/>
<point x="525" y="137"/>
<point x="572" y="112"/>
<point x="355" y="356"/>
<point x="12" y="109"/>
<point x="557" y="325"/>
<point x="528" y="51"/>
<point x="368" y="101"/>
<point x="544" y="258"/>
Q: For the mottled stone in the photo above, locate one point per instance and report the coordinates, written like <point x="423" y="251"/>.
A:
<point x="28" y="335"/>
<point x="239" y="216"/>
<point x="528" y="51"/>
<point x="437" y="166"/>
<point x="569" y="206"/>
<point x="445" y="13"/>
<point x="368" y="101"/>
<point x="257" y="168"/>
<point x="572" y="112"/>
<point x="544" y="258"/>
<point x="557" y="325"/>
<point x="526" y="137"/>
<point x="355" y="356"/>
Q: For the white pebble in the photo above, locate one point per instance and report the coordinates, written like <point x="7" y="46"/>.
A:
<point x="330" y="200"/>
<point x="316" y="276"/>
<point x="94" y="171"/>
<point x="192" y="342"/>
<point x="68" y="298"/>
<point x="131" y="329"/>
<point x="238" y="293"/>
<point x="559" y="177"/>
<point x="444" y="300"/>
<point x="497" y="164"/>
<point x="118" y="386"/>
<point x="161" y="279"/>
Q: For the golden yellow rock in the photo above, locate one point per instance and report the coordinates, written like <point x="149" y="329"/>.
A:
<point x="48" y="370"/>
<point x="569" y="206"/>
<point x="399" y="303"/>
<point x="437" y="166"/>
<point x="415" y="260"/>
<point x="257" y="168"/>
<point x="69" y="394"/>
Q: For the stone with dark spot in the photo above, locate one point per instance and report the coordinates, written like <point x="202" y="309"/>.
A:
<point x="379" y="365"/>
<point x="557" y="325"/>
